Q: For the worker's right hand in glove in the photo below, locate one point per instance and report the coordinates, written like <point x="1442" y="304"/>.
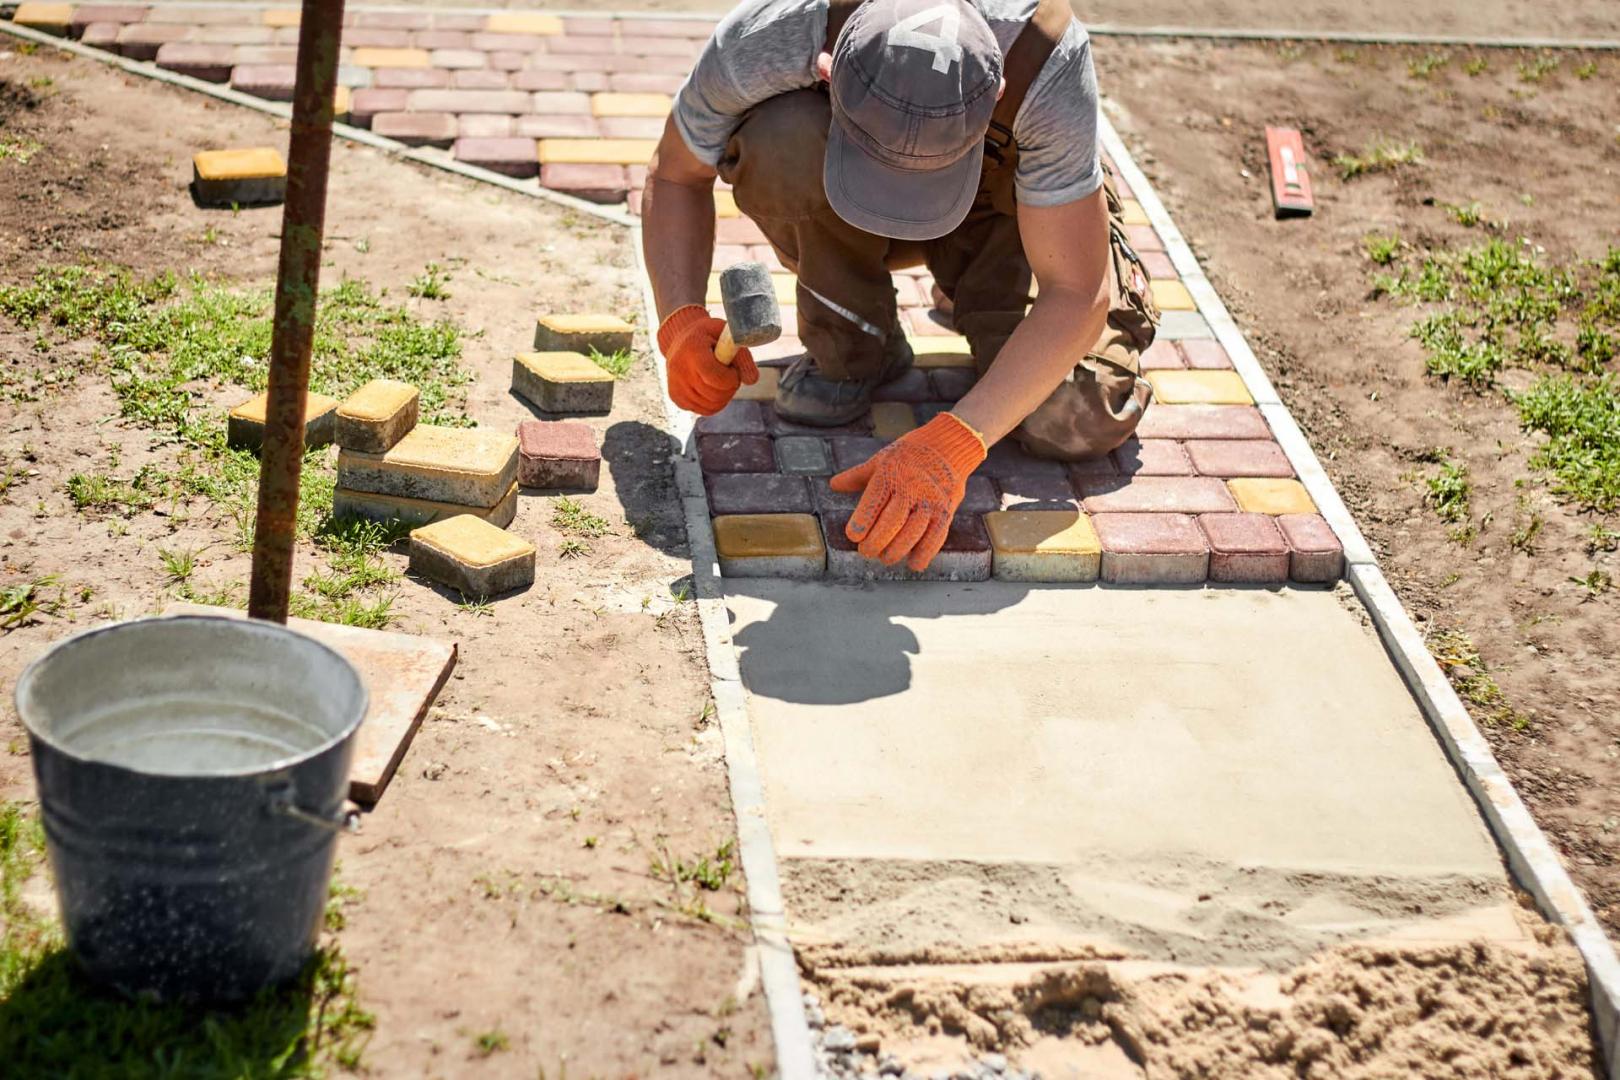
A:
<point x="913" y="487"/>
<point x="698" y="381"/>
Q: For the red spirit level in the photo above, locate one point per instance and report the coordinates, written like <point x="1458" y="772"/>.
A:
<point x="1290" y="180"/>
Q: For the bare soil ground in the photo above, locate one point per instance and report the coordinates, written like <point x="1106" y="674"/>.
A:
<point x="1540" y="157"/>
<point x="507" y="875"/>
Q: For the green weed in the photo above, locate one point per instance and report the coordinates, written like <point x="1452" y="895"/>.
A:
<point x="1596" y="583"/>
<point x="573" y="549"/>
<point x="178" y="565"/>
<point x="1456" y="655"/>
<point x="570" y="516"/>
<point x="430" y="284"/>
<point x="1427" y="64"/>
<point x="106" y="494"/>
<point x="1382" y="250"/>
<point x="1449" y="496"/>
<point x="1533" y="71"/>
<point x="491" y="1042"/>
<point x="20" y="150"/>
<point x="1477" y="66"/>
<point x="1467" y="215"/>
<point x="21" y="602"/>
<point x="1380" y="156"/>
<point x="1587" y="70"/>
<point x="616" y="364"/>
<point x="1581" y="420"/>
<point x="708" y="872"/>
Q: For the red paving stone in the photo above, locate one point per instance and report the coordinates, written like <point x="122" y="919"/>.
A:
<point x="1317" y="554"/>
<point x="558" y="454"/>
<point x="736" y="453"/>
<point x="597" y="183"/>
<point x="758" y="493"/>
<point x="1152" y="457"/>
<point x="1162" y="354"/>
<point x="1156" y="495"/>
<point x="511" y="157"/>
<point x="1203" y="422"/>
<point x="1245" y="548"/>
<point x="1206" y="354"/>
<point x="416" y="129"/>
<point x="965" y="556"/>
<point x="1152" y="549"/>
<point x="1238" y="457"/>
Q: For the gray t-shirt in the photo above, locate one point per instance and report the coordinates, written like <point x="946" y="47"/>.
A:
<point x="765" y="48"/>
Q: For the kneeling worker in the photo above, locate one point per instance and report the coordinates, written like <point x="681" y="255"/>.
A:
<point x="864" y="137"/>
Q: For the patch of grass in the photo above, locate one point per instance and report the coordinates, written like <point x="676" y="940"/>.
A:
<point x="1587" y="70"/>
<point x="354" y="588"/>
<point x="178" y="565"/>
<point x="1477" y="66"/>
<point x="430" y="284"/>
<point x="1581" y="419"/>
<point x="20" y="603"/>
<point x="616" y="364"/>
<point x="1596" y="583"/>
<point x="1457" y="657"/>
<point x="1382" y="155"/>
<point x="1533" y="71"/>
<point x="477" y="606"/>
<point x="491" y="1042"/>
<point x="1467" y="215"/>
<point x="1602" y="538"/>
<point x="54" y="1023"/>
<point x="1427" y="64"/>
<point x="98" y="492"/>
<point x="1382" y="250"/>
<point x="19" y="149"/>
<point x="1528" y="529"/>
<point x="570" y="516"/>
<point x="573" y="549"/>
<point x="1449" y="494"/>
<point x="709" y="872"/>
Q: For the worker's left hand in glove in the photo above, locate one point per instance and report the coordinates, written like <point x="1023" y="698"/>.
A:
<point x="912" y="489"/>
<point x="698" y="381"/>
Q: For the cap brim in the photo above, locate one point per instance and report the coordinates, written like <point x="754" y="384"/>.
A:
<point x="899" y="203"/>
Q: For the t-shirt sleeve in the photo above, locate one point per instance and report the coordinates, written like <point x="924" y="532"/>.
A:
<point x="762" y="49"/>
<point x="1057" y="128"/>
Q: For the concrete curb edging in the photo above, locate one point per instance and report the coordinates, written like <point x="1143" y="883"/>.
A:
<point x="437" y="159"/>
<point x="1530" y="857"/>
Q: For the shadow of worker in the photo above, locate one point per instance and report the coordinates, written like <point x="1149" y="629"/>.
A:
<point x="826" y="643"/>
<point x="640" y="464"/>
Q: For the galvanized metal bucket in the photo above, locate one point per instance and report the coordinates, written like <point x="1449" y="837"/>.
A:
<point x="192" y="774"/>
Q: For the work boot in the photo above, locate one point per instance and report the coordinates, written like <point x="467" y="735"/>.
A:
<point x="805" y="396"/>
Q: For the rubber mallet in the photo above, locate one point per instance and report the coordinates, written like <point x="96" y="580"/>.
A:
<point x="753" y="317"/>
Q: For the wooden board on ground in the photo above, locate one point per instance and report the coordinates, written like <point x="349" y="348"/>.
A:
<point x="403" y="674"/>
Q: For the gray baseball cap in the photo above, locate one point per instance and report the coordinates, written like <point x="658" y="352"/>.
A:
<point x="914" y="84"/>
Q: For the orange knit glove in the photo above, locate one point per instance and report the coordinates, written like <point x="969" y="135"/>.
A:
<point x="913" y="487"/>
<point x="698" y="381"/>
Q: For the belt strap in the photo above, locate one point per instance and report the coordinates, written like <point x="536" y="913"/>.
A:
<point x="1028" y="55"/>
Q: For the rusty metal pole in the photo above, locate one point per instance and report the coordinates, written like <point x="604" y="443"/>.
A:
<point x="303" y="222"/>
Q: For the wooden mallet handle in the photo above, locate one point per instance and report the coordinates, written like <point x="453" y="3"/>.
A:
<point x="726" y="350"/>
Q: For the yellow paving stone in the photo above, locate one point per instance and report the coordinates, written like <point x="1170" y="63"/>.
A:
<point x="941" y="350"/>
<point x="616" y="104"/>
<point x="342" y="100"/>
<point x="245" y="177"/>
<point x="1172" y="296"/>
<point x="46" y="18"/>
<point x="470" y="466"/>
<point x="472" y="556"/>
<point x="765" y="389"/>
<point x="244" y="425"/>
<point x="391" y="58"/>
<point x="374" y="507"/>
<point x="607" y="334"/>
<point x="523" y="22"/>
<point x="1268" y="496"/>
<point x="725" y="205"/>
<point x="1182" y="387"/>
<point x="786" y="286"/>
<point x="377" y="415"/>
<point x="892" y="419"/>
<point x="770" y="545"/>
<point x="596" y="151"/>
<point x="562" y="382"/>
<point x="1044" y="545"/>
<point x="280" y="18"/>
<point x="1134" y="214"/>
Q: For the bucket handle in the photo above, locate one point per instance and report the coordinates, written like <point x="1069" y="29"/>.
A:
<point x="283" y="801"/>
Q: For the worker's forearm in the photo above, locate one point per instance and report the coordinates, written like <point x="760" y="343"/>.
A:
<point x="1058" y="331"/>
<point x="677" y="237"/>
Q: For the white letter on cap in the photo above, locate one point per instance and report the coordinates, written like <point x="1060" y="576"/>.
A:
<point x="943" y="45"/>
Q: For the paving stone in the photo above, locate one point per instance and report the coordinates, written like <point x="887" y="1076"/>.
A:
<point x="373" y="101"/>
<point x="1007" y="458"/>
<point x="930" y="409"/>
<point x="590" y="82"/>
<point x="558" y="455"/>
<point x="892" y="419"/>
<point x="374" y="507"/>
<point x="1152" y="549"/>
<point x="736" y="453"/>
<point x="965" y="555"/>
<point x="487" y="41"/>
<point x="803" y="455"/>
<point x="1239" y="457"/>
<point x="507" y="60"/>
<point x="102" y="35"/>
<point x="468" y="23"/>
<point x="253" y="176"/>
<point x="468" y="466"/>
<point x="141" y="41"/>
<point x="941" y="352"/>
<point x="619" y="104"/>
<point x="607" y="334"/>
<point x="980" y="497"/>
<point x="366" y="37"/>
<point x="1199" y="388"/>
<point x="1271" y="496"/>
<point x="588" y="26"/>
<point x="641" y="82"/>
<point x="273" y="82"/>
<point x="267" y="55"/>
<point x="1158" y="265"/>
<point x="595" y="183"/>
<point x="232" y="35"/>
<point x="1091" y="468"/>
<point x="1203" y="422"/>
<point x="1156" y="495"/>
<point x="375" y="417"/>
<point x="1036" y="492"/>
<point x="392" y="58"/>
<point x="737" y="418"/>
<point x="645" y="127"/>
<point x="471" y="101"/>
<point x="1206" y="354"/>
<point x="1172" y="296"/>
<point x="1152" y="457"/>
<point x="758" y="493"/>
<point x="1180" y="325"/>
<point x="210" y="63"/>
<point x="353" y="76"/>
<point x="392" y="20"/>
<point x="770" y="545"/>
<point x="1162" y="355"/>
<point x="561" y="102"/>
<point x="212" y="15"/>
<point x="1043" y="545"/>
<point x="510" y="157"/>
<point x="764" y="389"/>
<point x="596" y="151"/>
<point x="1143" y="238"/>
<point x="562" y="382"/>
<point x="416" y="129"/>
<point x="837" y="503"/>
<point x="483" y="126"/>
<point x="46" y="18"/>
<point x="913" y="388"/>
<point x="87" y="15"/>
<point x="410" y="79"/>
<point x="472" y="556"/>
<point x="951" y="384"/>
<point x="1317" y="556"/>
<point x="1132" y="212"/>
<point x="441" y="39"/>
<point x="779" y="426"/>
<point x="244" y="425"/>
<point x="539" y="79"/>
<point x="1245" y="549"/>
<point x="850" y="451"/>
<point x="480" y="79"/>
<point x="523" y="22"/>
<point x="284" y="17"/>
